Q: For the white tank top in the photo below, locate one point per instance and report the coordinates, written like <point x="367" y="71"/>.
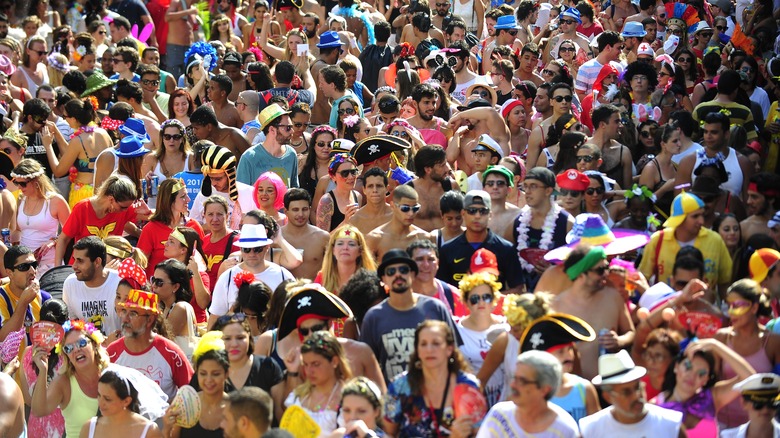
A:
<point x="467" y="13"/>
<point x="510" y="364"/>
<point x="734" y="183"/>
<point x="37" y="229"/>
<point x="159" y="173"/>
<point x="93" y="423"/>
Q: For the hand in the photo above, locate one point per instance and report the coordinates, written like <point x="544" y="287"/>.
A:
<point x="357" y="426"/>
<point x="351" y="210"/>
<point x="609" y="340"/>
<point x="46" y="135"/>
<point x="12" y="367"/>
<point x="113" y="264"/>
<point x="193" y="266"/>
<point x="41" y="359"/>
<point x="639" y="281"/>
<point x="462" y="427"/>
<point x="541" y="266"/>
<point x="170" y="417"/>
<point x="693" y="290"/>
<point x="774" y="127"/>
<point x="293" y="360"/>
<point x="149" y="95"/>
<point x="30" y="293"/>
<point x="704" y="344"/>
<point x="5" y="95"/>
<point x="228" y="263"/>
<point x="142" y="209"/>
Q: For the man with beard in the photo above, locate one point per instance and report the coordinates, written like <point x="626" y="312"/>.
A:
<point x="434" y="130"/>
<point x="141" y="348"/>
<point x="432" y="181"/>
<point x="275" y="153"/>
<point x="206" y="126"/>
<point x="591" y="299"/>
<point x="629" y="415"/>
<point x="21" y="298"/>
<point x="310" y="24"/>
<point x="497" y="180"/>
<point x="35" y="115"/>
<point x="376" y="212"/>
<point x="400" y="231"/>
<point x="477" y="119"/>
<point x="442" y="14"/>
<point x="90" y="290"/>
<point x="305" y="237"/>
<point x="763" y="191"/>
<point x="388" y="328"/>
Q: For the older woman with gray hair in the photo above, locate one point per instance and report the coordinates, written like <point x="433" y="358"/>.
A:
<point x="529" y="410"/>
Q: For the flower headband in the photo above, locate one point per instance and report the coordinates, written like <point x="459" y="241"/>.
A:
<point x="337" y="160"/>
<point x="324" y="128"/>
<point x="54" y="61"/>
<point x="35" y="174"/>
<point x="515" y="312"/>
<point x="319" y="343"/>
<point x="642" y="191"/>
<point x="243" y="277"/>
<point x="85" y="327"/>
<point x="352" y="120"/>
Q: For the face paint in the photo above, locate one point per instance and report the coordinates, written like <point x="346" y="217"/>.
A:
<point x="739" y="307"/>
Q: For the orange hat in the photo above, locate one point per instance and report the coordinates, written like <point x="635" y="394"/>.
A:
<point x="141" y="300"/>
<point x="573" y="179"/>
<point x="483" y="260"/>
<point x="761" y="262"/>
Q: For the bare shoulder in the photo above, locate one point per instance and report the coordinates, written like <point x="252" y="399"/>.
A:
<point x="356" y="346"/>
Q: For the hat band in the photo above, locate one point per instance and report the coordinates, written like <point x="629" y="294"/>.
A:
<point x="619" y="373"/>
<point x="753" y="187"/>
<point x="252" y="239"/>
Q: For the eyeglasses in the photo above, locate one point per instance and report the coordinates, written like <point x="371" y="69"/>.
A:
<point x="315" y="328"/>
<point x="117" y="60"/>
<point x="595" y="191"/>
<point x="474" y="299"/>
<point x="566" y="49"/>
<point x="474" y="210"/>
<point x="150" y="82"/>
<point x="403" y="270"/>
<point x="39" y="52"/>
<point x="495" y="183"/>
<point x="403" y="134"/>
<point x="572" y="193"/>
<point x="567" y="21"/>
<point x="722" y="28"/>
<point x="172" y="136"/>
<point x="224" y="320"/>
<point x="347" y="111"/>
<point x="322" y="144"/>
<point x="256" y="250"/>
<point x="519" y="380"/>
<point x="287" y="128"/>
<point x="684" y="59"/>
<point x="567" y="98"/>
<point x="442" y="5"/>
<point x="348" y="172"/>
<point x="657" y="357"/>
<point x="159" y="282"/>
<point x="22" y="184"/>
<point x="39" y="120"/>
<point x="407" y="208"/>
<point x="300" y="125"/>
<point x="599" y="271"/>
<point x="81" y="343"/>
<point x="548" y="72"/>
<point x="646" y="134"/>
<point x="585" y="158"/>
<point x="24" y="267"/>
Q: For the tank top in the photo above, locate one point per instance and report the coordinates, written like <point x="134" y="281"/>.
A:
<point x="731" y="163"/>
<point x="274" y="354"/>
<point x="434" y="136"/>
<point x="197" y="431"/>
<point x="510" y="364"/>
<point x="574" y="401"/>
<point x="467" y="12"/>
<point x="79" y="410"/>
<point x="550" y="162"/>
<point x="31" y="85"/>
<point x="116" y="163"/>
<point x="37" y="229"/>
<point x="93" y="424"/>
<point x="732" y="415"/>
<point x="338" y="217"/>
<point x="159" y="173"/>
<point x="664" y="204"/>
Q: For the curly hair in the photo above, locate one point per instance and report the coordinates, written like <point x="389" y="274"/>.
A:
<point x="640" y="68"/>
<point x="469" y="282"/>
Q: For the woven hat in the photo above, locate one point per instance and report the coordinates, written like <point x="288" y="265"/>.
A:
<point x="555" y="330"/>
<point x="96" y="81"/>
<point x="761" y="262"/>
<point x="141" y="300"/>
<point x="217" y="158"/>
<point x="683" y="204"/>
<point x="269" y="114"/>
<point x="590" y="228"/>
<point x="485" y="85"/>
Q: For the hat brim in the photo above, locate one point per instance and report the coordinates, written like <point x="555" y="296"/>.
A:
<point x="125" y="131"/>
<point x="134" y="306"/>
<point x="268" y="122"/>
<point x="107" y="83"/>
<point x="375" y="147"/>
<point x="253" y="243"/>
<point x="571" y="329"/>
<point x="625" y="240"/>
<point x="321" y="303"/>
<point x="635" y="373"/>
<point x="395" y="260"/>
<point x="675" y="221"/>
<point x="138" y="153"/>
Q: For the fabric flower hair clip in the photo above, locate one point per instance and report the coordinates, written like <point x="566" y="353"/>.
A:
<point x="351" y="121"/>
<point x="643" y="192"/>
<point x="243" y="277"/>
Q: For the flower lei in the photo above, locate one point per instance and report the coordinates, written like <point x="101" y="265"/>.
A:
<point x="83" y="130"/>
<point x="701" y="155"/>
<point x="547" y="231"/>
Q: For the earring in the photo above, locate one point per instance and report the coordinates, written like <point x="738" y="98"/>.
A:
<point x="452" y="359"/>
<point x="418" y="364"/>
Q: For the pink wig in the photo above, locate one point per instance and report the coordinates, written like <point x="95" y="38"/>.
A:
<point x="279" y="186"/>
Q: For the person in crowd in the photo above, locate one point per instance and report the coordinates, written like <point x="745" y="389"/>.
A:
<point x="282" y="252"/>
<point x="247" y="413"/>
<point x="376" y="211"/>
<point x="206" y="126"/>
<point x="171" y="284"/>
<point x="596" y="196"/>
<point x="426" y="255"/>
<point x="218" y="243"/>
<point x="345" y="253"/>
<point x="340" y="204"/>
<point x="317" y="158"/>
<point x="253" y="301"/>
<point x="360" y="408"/>
<point x="219" y="178"/>
<point x="759" y="393"/>
<point x="761" y="203"/>
<point x="275" y="153"/>
<point x="118" y="249"/>
<point x="185" y="245"/>
<point x="451" y="207"/>
<point x="572" y="185"/>
<point x="729" y="228"/>
<point x="173" y="155"/>
<point x="300" y="117"/>
<point x="431" y="182"/>
<point x="656" y="354"/>
<point x="269" y="196"/>
<point x="659" y="174"/>
<point x="400" y="231"/>
<point x="309" y="240"/>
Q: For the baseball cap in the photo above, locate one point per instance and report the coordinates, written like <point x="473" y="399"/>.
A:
<point x="477" y="197"/>
<point x="683" y="204"/>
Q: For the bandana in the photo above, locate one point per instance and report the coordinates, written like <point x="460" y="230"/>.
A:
<point x="132" y="273"/>
<point x="595" y="255"/>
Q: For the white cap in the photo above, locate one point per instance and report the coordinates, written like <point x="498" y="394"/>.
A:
<point x="759" y="382"/>
<point x="645" y="49"/>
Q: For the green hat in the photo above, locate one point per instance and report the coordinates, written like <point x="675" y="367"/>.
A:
<point x="269" y="114"/>
<point x="501" y="170"/>
<point x="97" y="81"/>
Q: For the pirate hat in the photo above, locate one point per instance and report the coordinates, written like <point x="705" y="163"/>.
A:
<point x="555" y="330"/>
<point x="219" y="159"/>
<point x="377" y="146"/>
<point x="311" y="300"/>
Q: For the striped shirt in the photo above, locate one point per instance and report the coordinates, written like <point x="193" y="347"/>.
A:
<point x="586" y="75"/>
<point x="739" y="115"/>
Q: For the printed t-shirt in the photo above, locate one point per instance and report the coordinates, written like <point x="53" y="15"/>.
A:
<point x="93" y="304"/>
<point x="83" y="222"/>
<point x="226" y="291"/>
<point x="215" y="255"/>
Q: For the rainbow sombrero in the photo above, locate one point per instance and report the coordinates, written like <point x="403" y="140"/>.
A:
<point x="590" y="228"/>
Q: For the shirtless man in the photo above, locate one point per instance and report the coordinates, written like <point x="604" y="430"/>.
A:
<point x="431" y="183"/>
<point x="560" y="102"/>
<point x="478" y="120"/>
<point x="568" y="21"/>
<point x="376" y="212"/>
<point x="497" y="180"/>
<point x="590" y="299"/>
<point x="420" y="29"/>
<point x="763" y="191"/>
<point x="205" y="126"/>
<point x="400" y="231"/>
<point x="11" y="407"/>
<point x="220" y="87"/>
<point x="529" y="59"/>
<point x="434" y="130"/>
<point x="181" y="21"/>
<point x="306" y="238"/>
<point x="606" y="123"/>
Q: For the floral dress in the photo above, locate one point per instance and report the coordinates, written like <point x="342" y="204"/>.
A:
<point x="413" y="416"/>
<point x="50" y="426"/>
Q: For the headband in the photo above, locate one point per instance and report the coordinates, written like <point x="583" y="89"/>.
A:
<point x="595" y="255"/>
<point x="178" y="186"/>
<point x="642" y="191"/>
<point x="117" y="252"/>
<point x="337" y="160"/>
<point x="753" y="187"/>
<point x="172" y="122"/>
<point x="110" y="124"/>
<point x="347" y="232"/>
<point x="13" y="135"/>
<point x="85" y="327"/>
<point x="35" y="174"/>
<point x="132" y="273"/>
<point x="176" y="234"/>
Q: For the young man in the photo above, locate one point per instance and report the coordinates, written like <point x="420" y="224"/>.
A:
<point x="308" y="239"/>
<point x="529" y="59"/>
<point x="248" y="104"/>
<point x="206" y="126"/>
<point x="125" y="61"/>
<point x="568" y="20"/>
<point x="35" y="115"/>
<point x="22" y="292"/>
<point x="610" y="45"/>
<point x="376" y="212"/>
<point x="616" y="157"/>
<point x="762" y="194"/>
<point x="497" y="180"/>
<point x="219" y="178"/>
<point x="480" y="118"/>
<point x="275" y="153"/>
<point x="426" y="255"/>
<point x="432" y="182"/>
<point x="220" y="86"/>
<point x="247" y="413"/>
<point x="284" y="72"/>
<point x="330" y="50"/>
<point x="486" y="153"/>
<point x="633" y="33"/>
<point x="332" y="86"/>
<point x="232" y="65"/>
<point x="502" y="73"/>
<point x="464" y="76"/>
<point x="133" y="94"/>
<point x="154" y="100"/>
<point x="151" y="56"/>
<point x="434" y="130"/>
<point x="400" y="230"/>
<point x="420" y="30"/>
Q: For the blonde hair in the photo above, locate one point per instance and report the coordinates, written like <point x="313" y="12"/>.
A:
<point x="300" y="34"/>
<point x="520" y="310"/>
<point x="101" y="358"/>
<point x="330" y="272"/>
<point x="28" y="166"/>
<point x="469" y="282"/>
<point x="120" y="243"/>
<point x="325" y="344"/>
<point x="55" y="74"/>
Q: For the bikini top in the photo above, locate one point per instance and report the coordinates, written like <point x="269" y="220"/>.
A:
<point x="88" y="165"/>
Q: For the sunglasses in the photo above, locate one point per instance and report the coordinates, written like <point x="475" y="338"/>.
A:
<point x="759" y="405"/>
<point x="572" y="193"/>
<point x="159" y="282"/>
<point x="8" y="151"/>
<point x="299" y="125"/>
<point x="322" y="144"/>
<point x="287" y="128"/>
<point x="567" y="21"/>
<point x="402" y="134"/>
<point x="403" y="270"/>
<point x="81" y="343"/>
<point x="172" y="136"/>
<point x="150" y="82"/>
<point x="585" y="158"/>
<point x="722" y="28"/>
<point x="315" y="328"/>
<point x="595" y="191"/>
<point x="512" y="32"/>
<point x="474" y="210"/>
<point x="39" y="52"/>
<point x="117" y="60"/>
<point x="102" y="32"/>
<point x="474" y="299"/>
<point x="646" y="134"/>
<point x="347" y="111"/>
<point x="688" y="365"/>
<point x="256" y="250"/>
<point x="677" y="32"/>
<point x="600" y="270"/>
<point x="549" y="72"/>
<point x="662" y="74"/>
<point x="566" y="49"/>
<point x="407" y="208"/>
<point x="39" y="120"/>
<point x="227" y="319"/>
<point x="496" y="183"/>
<point x="348" y="172"/>
<point x="681" y="59"/>
<point x="24" y="267"/>
<point x="442" y="5"/>
<point x="707" y="35"/>
<point x="560" y="99"/>
<point x="483" y="94"/>
<point x="21" y="184"/>
<point x="746" y="70"/>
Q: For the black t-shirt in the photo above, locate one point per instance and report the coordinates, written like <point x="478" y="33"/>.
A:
<point x="264" y="374"/>
<point x="37" y="151"/>
<point x="455" y="259"/>
<point x="133" y="10"/>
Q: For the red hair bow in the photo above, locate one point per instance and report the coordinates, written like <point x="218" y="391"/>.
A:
<point x="244" y="277"/>
<point x="132" y="273"/>
<point x="110" y="124"/>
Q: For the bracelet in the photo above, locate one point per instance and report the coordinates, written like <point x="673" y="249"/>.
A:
<point x="295" y="374"/>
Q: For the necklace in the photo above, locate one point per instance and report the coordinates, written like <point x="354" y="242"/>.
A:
<point x="27" y="215"/>
<point x="547" y="231"/>
<point x="319" y="407"/>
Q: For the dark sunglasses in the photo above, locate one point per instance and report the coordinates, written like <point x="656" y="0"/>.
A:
<point x="322" y="144"/>
<point x="39" y="120"/>
<point x="722" y="28"/>
<point x="159" y="282"/>
<point x="549" y="72"/>
<point x="117" y="60"/>
<point x="39" y="52"/>
<point x="566" y="49"/>
<point x="407" y="208"/>
<point x="403" y="270"/>
<point x="474" y="299"/>
<point x="172" y="136"/>
<point x="299" y="125"/>
<point x="496" y="183"/>
<point x="8" y="151"/>
<point x="150" y="82"/>
<point x="600" y="270"/>
<point x="512" y="32"/>
<point x="21" y="184"/>
<point x="585" y="158"/>
<point x="24" y="267"/>
<point x="572" y="193"/>
<point x="759" y="405"/>
<point x="483" y="94"/>
<point x="227" y="319"/>
<point x="102" y="32"/>
<point x="595" y="191"/>
<point x="347" y="111"/>
<point x="315" y="328"/>
<point x="560" y="99"/>
<point x="81" y="343"/>
<point x="256" y="250"/>
<point x="683" y="59"/>
<point x="474" y="210"/>
<point x="348" y="172"/>
<point x="646" y="134"/>
<point x="567" y="21"/>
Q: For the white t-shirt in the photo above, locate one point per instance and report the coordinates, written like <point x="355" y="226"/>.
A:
<point x="658" y="422"/>
<point x="500" y="421"/>
<point x="475" y="346"/>
<point x="93" y="304"/>
<point x="246" y="200"/>
<point x="226" y="291"/>
<point x="741" y="431"/>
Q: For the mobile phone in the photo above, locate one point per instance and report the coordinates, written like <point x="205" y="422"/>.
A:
<point x="302" y="49"/>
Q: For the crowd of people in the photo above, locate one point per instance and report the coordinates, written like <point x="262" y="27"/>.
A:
<point x="416" y="218"/>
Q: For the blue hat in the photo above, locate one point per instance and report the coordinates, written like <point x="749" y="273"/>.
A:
<point x="572" y="13"/>
<point x="506" y="22"/>
<point x="131" y="146"/>
<point x="329" y="39"/>
<point x="633" y="29"/>
<point x="135" y="127"/>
